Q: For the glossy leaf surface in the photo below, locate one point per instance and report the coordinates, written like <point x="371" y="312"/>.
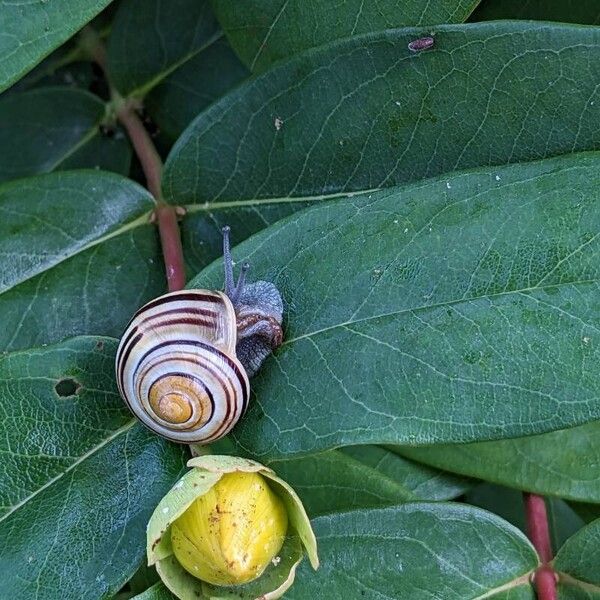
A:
<point x="532" y="463"/>
<point x="364" y="477"/>
<point x="412" y="551"/>
<point x="82" y="267"/>
<point x="367" y="113"/>
<point x="205" y="77"/>
<point x="145" y="45"/>
<point x="578" y="564"/>
<point x="31" y="30"/>
<point x="263" y="33"/>
<point x="79" y="476"/>
<point x="438" y="346"/>
<point x="52" y="129"/>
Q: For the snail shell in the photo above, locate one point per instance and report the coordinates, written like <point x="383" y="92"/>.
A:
<point x="177" y="368"/>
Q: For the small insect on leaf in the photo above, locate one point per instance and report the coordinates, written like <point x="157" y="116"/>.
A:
<point x="423" y="43"/>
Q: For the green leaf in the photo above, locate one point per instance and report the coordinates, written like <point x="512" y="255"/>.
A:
<point x="79" y="476"/>
<point x="175" y="102"/>
<point x="29" y="31"/>
<point x="146" y="45"/>
<point x="578" y="563"/>
<point x="367" y="112"/>
<point x="83" y="266"/>
<point x="424" y="483"/>
<point x="262" y="33"/>
<point x="364" y="477"/>
<point x="563" y="521"/>
<point x="414" y="551"/>
<point x="57" y="404"/>
<point x="51" y="129"/>
<point x="567" y="11"/>
<point x="410" y="343"/>
<point x="530" y="463"/>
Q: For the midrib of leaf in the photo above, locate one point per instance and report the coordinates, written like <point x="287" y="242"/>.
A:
<point x="115" y="434"/>
<point x="522" y="580"/>
<point x="434" y="306"/>
<point x="141" y="220"/>
<point x="143" y="90"/>
<point x="584" y="585"/>
<point x="214" y="206"/>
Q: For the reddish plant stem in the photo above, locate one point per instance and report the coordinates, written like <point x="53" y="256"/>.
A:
<point x="170" y="240"/>
<point x="544" y="578"/>
<point x="144" y="147"/>
<point x="165" y="215"/>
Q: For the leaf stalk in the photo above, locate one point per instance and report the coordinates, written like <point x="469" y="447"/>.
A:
<point x="545" y="578"/>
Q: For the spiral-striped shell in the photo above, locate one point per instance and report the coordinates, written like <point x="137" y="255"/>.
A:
<point x="177" y="370"/>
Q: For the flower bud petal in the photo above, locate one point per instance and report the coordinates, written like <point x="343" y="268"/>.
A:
<point x="230" y="534"/>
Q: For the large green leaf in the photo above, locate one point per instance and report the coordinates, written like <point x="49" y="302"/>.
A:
<point x="82" y="267"/>
<point x="568" y="11"/>
<point x="31" y="30"/>
<point x="264" y="32"/>
<point x="79" y="476"/>
<point x="52" y="129"/>
<point x="532" y="463"/>
<point x="444" y="324"/>
<point x="578" y="563"/>
<point x="418" y="551"/>
<point x="145" y="45"/>
<point x="367" y="113"/>
<point x="205" y="77"/>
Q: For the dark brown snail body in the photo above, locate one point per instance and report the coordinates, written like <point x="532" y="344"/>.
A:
<point x="184" y="360"/>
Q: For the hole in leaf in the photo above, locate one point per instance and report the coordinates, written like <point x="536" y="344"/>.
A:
<point x="67" y="387"/>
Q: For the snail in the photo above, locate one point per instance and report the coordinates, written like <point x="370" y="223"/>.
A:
<point x="184" y="361"/>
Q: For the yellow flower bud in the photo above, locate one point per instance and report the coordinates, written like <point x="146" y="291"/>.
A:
<point x="229" y="535"/>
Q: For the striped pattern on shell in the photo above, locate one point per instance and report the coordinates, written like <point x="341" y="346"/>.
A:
<point x="177" y="369"/>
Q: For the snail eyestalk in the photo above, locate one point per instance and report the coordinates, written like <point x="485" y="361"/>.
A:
<point x="228" y="261"/>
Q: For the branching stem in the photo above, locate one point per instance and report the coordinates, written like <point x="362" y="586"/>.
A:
<point x="539" y="534"/>
<point x="165" y="215"/>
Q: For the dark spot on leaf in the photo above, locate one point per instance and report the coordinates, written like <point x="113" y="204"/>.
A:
<point x="155" y="543"/>
<point x="99" y="345"/>
<point x="67" y="387"/>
